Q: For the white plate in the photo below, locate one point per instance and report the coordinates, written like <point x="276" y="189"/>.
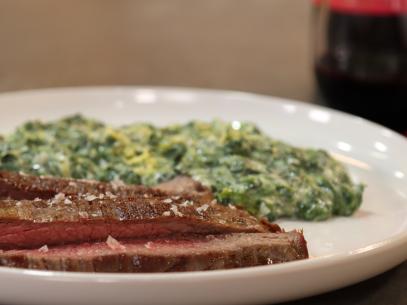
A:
<point x="343" y="250"/>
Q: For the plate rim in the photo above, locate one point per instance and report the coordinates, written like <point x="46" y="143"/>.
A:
<point x="239" y="93"/>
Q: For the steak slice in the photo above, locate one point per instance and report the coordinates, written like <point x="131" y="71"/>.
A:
<point x="61" y="220"/>
<point x="20" y="186"/>
<point x="184" y="253"/>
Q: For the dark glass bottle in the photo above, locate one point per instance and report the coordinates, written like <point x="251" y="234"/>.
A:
<point x="361" y="58"/>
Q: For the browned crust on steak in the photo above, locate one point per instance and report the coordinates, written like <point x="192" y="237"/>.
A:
<point x="137" y="208"/>
<point x="191" y="253"/>
<point x="20" y="186"/>
<point x="186" y="185"/>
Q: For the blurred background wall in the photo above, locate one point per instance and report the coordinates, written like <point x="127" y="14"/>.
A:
<point x="251" y="45"/>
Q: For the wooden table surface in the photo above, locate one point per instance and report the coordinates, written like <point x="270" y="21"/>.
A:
<point x="261" y="46"/>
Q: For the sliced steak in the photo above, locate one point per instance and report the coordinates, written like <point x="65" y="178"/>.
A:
<point x="191" y="253"/>
<point x="32" y="223"/>
<point x="20" y="186"/>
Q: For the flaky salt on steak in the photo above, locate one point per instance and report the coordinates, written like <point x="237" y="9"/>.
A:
<point x="20" y="186"/>
<point x="177" y="253"/>
<point x="72" y="219"/>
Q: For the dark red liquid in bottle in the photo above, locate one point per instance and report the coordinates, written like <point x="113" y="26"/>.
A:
<point x="364" y="67"/>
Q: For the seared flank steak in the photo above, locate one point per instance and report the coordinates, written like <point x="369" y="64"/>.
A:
<point x="184" y="253"/>
<point x="79" y="225"/>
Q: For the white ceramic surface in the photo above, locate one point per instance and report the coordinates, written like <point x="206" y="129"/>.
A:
<point x="343" y="250"/>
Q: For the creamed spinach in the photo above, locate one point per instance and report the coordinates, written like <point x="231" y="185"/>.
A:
<point x="236" y="160"/>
